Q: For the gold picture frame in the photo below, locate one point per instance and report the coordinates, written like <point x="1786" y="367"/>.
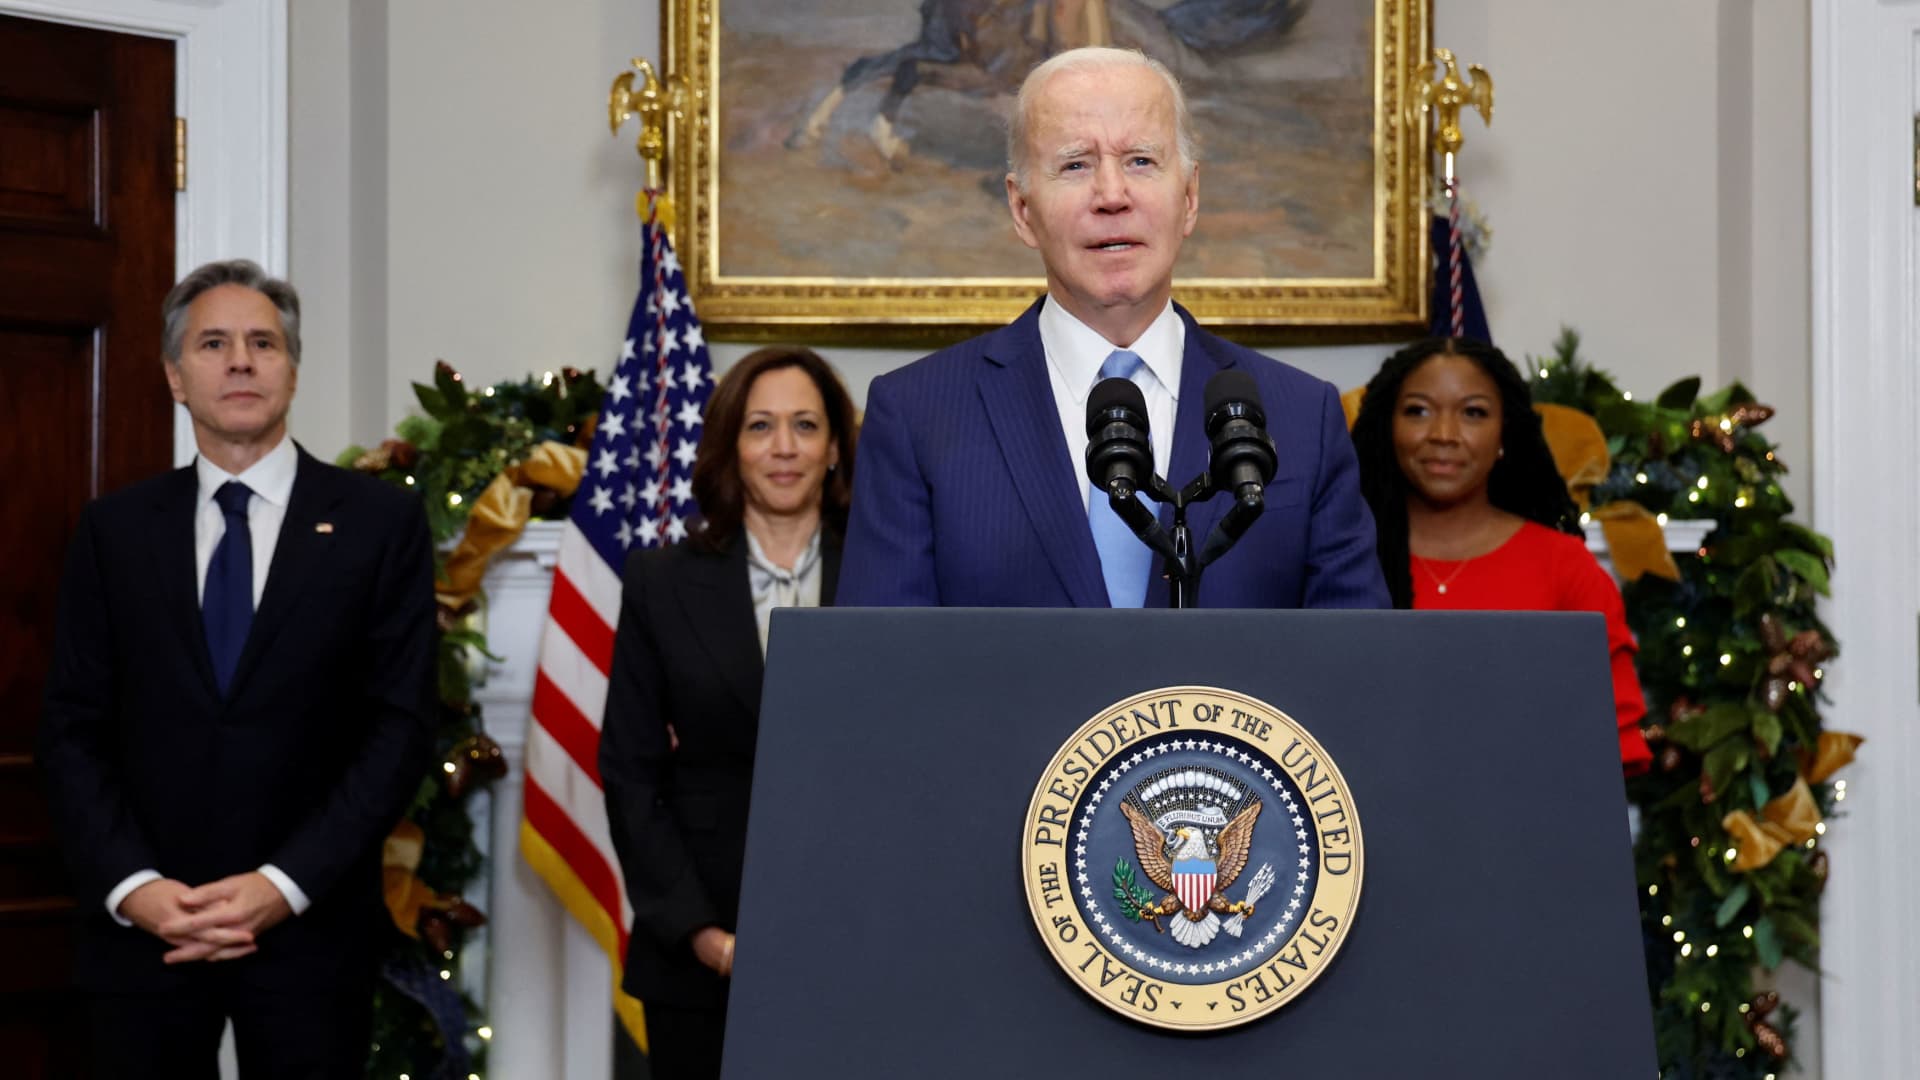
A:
<point x="798" y="219"/>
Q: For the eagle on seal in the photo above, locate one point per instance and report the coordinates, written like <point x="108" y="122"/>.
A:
<point x="1194" y="879"/>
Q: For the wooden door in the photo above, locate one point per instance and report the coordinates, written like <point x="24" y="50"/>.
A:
<point x="86" y="255"/>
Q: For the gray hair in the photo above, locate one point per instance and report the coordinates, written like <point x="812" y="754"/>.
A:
<point x="1096" y="58"/>
<point x="242" y="272"/>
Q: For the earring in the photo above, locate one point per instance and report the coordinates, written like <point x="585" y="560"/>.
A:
<point x="1502" y="453"/>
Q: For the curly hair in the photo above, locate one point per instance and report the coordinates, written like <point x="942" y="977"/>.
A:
<point x="717" y="486"/>
<point x="1524" y="480"/>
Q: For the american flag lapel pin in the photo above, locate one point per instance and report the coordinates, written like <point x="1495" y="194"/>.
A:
<point x="323" y="527"/>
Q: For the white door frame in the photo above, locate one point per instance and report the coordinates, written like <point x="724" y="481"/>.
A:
<point x="230" y="82"/>
<point x="1866" y="337"/>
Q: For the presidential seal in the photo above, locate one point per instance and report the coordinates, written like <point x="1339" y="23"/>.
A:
<point x="1192" y="858"/>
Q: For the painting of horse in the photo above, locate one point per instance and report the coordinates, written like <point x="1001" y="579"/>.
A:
<point x="864" y="141"/>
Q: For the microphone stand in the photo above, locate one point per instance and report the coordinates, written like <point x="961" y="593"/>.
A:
<point x="1176" y="545"/>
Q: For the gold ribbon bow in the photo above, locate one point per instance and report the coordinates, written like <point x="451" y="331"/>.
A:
<point x="1792" y="818"/>
<point x="501" y="513"/>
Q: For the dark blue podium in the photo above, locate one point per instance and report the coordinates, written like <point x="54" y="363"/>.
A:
<point x="884" y="930"/>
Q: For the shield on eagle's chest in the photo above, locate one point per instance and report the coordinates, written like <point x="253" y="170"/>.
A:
<point x="1193" y="882"/>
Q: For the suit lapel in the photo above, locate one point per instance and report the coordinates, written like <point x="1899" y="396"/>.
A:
<point x="1026" y="423"/>
<point x="718" y="602"/>
<point x="829" y="567"/>
<point x="172" y="548"/>
<point x="1198" y="364"/>
<point x="298" y="555"/>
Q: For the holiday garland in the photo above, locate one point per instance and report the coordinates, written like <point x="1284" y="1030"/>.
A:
<point x="1728" y="857"/>
<point x="450" y="453"/>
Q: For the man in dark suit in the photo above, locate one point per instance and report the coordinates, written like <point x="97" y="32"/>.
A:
<point x="971" y="489"/>
<point x="240" y="706"/>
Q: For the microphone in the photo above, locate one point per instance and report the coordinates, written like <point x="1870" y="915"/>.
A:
<point x="1242" y="457"/>
<point x="1119" y="457"/>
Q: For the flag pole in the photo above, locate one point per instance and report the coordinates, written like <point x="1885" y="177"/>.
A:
<point x="1443" y="98"/>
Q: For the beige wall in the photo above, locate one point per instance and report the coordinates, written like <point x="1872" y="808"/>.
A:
<point x="457" y="195"/>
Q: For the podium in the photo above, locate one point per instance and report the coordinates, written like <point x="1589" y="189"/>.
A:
<point x="885" y="931"/>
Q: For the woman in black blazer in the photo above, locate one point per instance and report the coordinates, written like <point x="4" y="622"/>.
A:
<point x="773" y="479"/>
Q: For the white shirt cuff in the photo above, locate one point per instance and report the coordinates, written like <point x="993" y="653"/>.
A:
<point x="125" y="889"/>
<point x="296" y="899"/>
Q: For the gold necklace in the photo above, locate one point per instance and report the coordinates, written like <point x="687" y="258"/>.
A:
<point x="1440" y="584"/>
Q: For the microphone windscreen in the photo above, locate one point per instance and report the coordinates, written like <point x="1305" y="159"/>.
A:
<point x="1115" y="393"/>
<point x="1232" y="387"/>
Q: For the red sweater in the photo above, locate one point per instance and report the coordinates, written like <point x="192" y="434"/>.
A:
<point x="1540" y="569"/>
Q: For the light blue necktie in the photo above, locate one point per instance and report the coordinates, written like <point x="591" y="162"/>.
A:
<point x="1124" y="560"/>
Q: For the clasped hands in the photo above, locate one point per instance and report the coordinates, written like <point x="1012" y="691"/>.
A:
<point x="221" y="920"/>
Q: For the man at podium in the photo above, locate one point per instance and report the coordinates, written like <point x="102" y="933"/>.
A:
<point x="971" y="490"/>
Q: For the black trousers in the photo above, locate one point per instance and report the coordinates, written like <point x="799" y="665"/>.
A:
<point x="684" y="1044"/>
<point x="319" y="1034"/>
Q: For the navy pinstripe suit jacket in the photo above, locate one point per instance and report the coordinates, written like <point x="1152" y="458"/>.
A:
<point x="965" y="496"/>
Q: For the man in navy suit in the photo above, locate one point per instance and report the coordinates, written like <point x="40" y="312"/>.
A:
<point x="971" y="490"/>
<point x="240" y="706"/>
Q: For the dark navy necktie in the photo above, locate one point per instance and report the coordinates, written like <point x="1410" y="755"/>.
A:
<point x="227" y="604"/>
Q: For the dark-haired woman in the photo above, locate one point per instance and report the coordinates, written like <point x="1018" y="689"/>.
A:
<point x="683" y="699"/>
<point x="1472" y="514"/>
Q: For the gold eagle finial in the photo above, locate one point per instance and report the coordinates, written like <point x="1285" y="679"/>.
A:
<point x="653" y="101"/>
<point x="1446" y="96"/>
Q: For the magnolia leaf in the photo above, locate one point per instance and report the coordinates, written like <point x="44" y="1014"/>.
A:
<point x="1767" y="732"/>
<point x="1717" y="723"/>
<point x="1808" y="566"/>
<point x="1680" y="395"/>
<point x="1731" y="906"/>
<point x="1757" y="784"/>
<point x="1810" y="540"/>
<point x="433" y="401"/>
<point x="1766" y="941"/>
<point x="1726" y="759"/>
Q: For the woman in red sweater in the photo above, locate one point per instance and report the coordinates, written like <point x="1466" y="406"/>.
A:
<point x="1472" y="514"/>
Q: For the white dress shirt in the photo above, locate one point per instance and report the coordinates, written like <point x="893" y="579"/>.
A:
<point x="777" y="586"/>
<point x="1075" y="352"/>
<point x="271" y="479"/>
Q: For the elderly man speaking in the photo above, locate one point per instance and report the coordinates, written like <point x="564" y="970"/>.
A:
<point x="970" y="490"/>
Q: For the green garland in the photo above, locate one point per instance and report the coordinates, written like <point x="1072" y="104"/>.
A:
<point x="450" y="452"/>
<point x="1728" y="725"/>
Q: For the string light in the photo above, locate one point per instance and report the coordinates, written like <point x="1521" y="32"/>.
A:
<point x="1662" y="519"/>
<point x="546" y="379"/>
<point x="1725" y="659"/>
<point x="1739" y="502"/>
<point x="1702" y="484"/>
<point x="1706" y="1006"/>
<point x="1679" y="936"/>
<point x="1686" y="650"/>
<point x="1681" y="622"/>
<point x="1628" y="394"/>
<point x="1639" y="478"/>
<point x="445" y="974"/>
<point x="1713" y="950"/>
<point x="1745" y="1008"/>
<point x="1693" y="496"/>
<point x="1732" y="854"/>
<point x="484" y="1032"/>
<point x="1666" y="920"/>
<point x="488" y="391"/>
<point x="1653" y="890"/>
<point x="1545" y="374"/>
<point x="1686" y="950"/>
<point x="409" y="481"/>
<point x="448" y="766"/>
<point x="1746" y="931"/>
<point x="1585" y="517"/>
<point x="1726" y="425"/>
<point x="453" y="498"/>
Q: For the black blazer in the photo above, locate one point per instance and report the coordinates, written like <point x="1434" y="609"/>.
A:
<point x="307" y="762"/>
<point x="687" y="654"/>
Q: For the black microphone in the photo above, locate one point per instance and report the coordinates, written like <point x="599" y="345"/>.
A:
<point x="1119" y="457"/>
<point x="1243" y="457"/>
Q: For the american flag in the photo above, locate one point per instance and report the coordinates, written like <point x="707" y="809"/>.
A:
<point x="637" y="493"/>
